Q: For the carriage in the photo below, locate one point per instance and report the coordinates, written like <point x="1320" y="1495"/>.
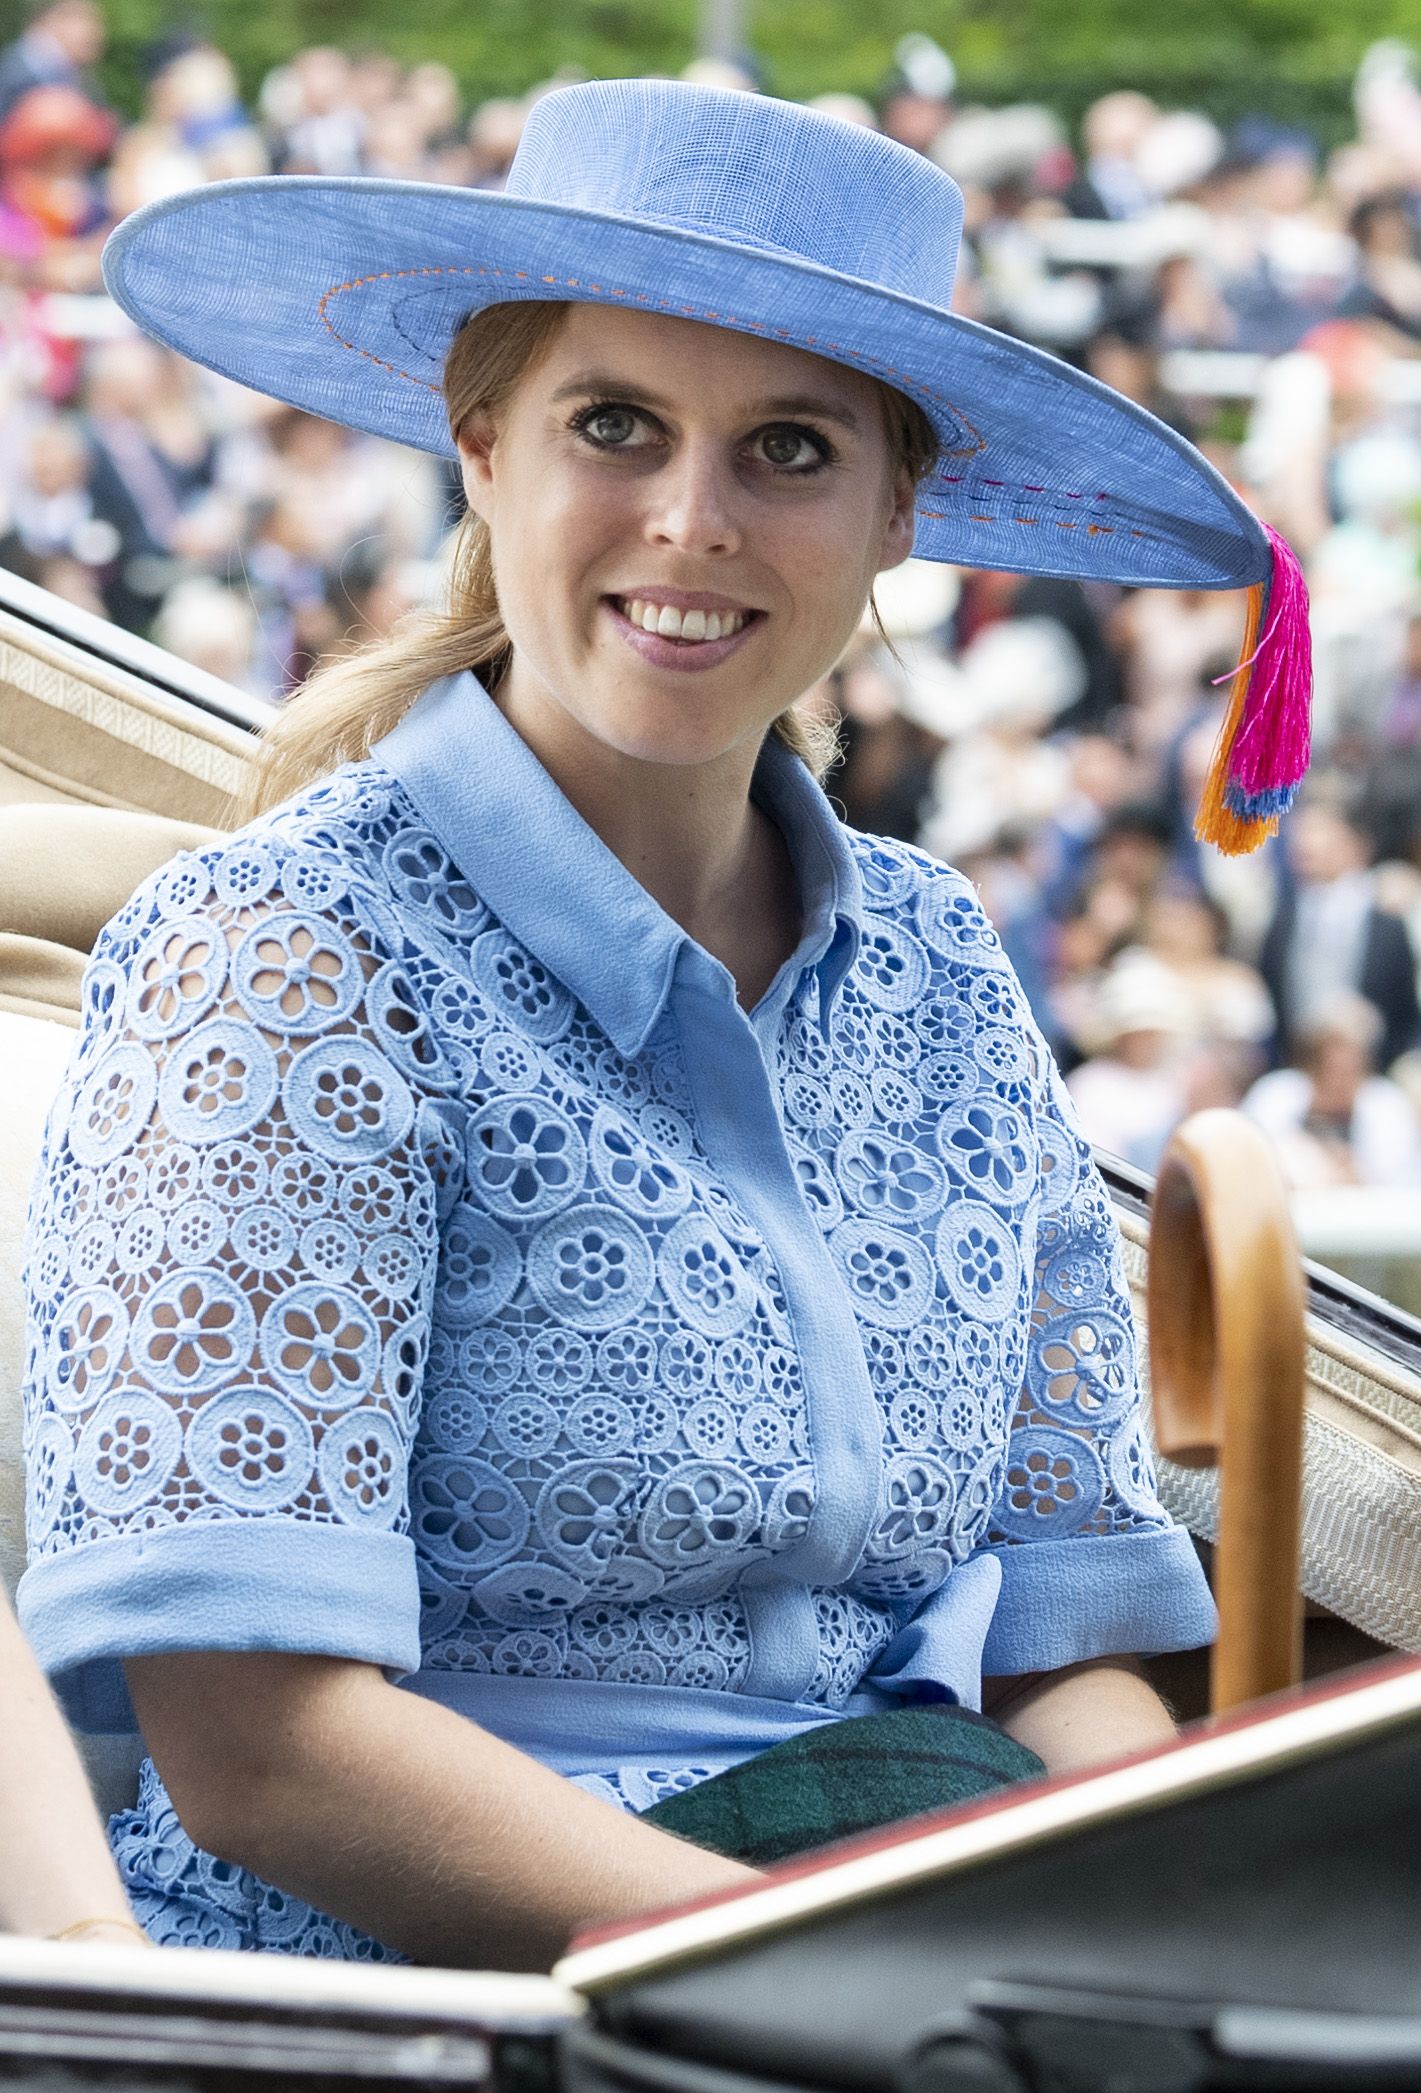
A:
<point x="1230" y="1912"/>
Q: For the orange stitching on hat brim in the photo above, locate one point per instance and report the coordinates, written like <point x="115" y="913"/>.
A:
<point x="810" y="342"/>
<point x="859" y="358"/>
<point x="1095" y="530"/>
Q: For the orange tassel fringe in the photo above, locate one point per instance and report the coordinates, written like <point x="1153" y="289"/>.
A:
<point x="1216" y="822"/>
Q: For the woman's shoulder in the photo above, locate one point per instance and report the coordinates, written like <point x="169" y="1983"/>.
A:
<point x="349" y="850"/>
<point x="931" y="902"/>
<point x="334" y="910"/>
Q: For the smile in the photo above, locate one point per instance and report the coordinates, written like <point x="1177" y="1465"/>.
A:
<point x="692" y="626"/>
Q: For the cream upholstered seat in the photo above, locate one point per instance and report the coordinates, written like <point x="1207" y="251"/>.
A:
<point x="102" y="779"/>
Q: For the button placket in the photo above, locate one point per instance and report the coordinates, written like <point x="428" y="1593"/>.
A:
<point x="742" y="1133"/>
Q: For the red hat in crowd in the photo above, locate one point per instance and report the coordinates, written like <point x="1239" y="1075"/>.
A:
<point x="51" y="119"/>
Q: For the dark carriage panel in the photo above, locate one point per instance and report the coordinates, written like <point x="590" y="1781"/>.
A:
<point x="195" y="2021"/>
<point x="1259" y="1930"/>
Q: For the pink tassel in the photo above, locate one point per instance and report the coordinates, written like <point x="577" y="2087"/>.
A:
<point x="1263" y="749"/>
<point x="1270" y="753"/>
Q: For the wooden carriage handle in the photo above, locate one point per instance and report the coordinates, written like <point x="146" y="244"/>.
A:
<point x="1226" y="1306"/>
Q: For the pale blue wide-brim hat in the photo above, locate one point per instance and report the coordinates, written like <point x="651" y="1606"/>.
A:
<point x="343" y="295"/>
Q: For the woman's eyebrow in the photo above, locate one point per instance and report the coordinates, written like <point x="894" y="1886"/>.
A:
<point x="609" y="384"/>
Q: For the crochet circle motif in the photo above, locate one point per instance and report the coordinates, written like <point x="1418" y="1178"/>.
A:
<point x="253" y="1450"/>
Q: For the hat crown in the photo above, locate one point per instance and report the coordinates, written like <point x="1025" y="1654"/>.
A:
<point x="750" y="170"/>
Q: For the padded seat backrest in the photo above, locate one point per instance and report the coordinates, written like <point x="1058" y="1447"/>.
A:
<point x="64" y="870"/>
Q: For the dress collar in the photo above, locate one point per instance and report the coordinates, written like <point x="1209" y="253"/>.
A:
<point x="557" y="888"/>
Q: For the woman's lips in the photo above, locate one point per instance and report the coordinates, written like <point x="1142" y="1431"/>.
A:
<point x="663" y="653"/>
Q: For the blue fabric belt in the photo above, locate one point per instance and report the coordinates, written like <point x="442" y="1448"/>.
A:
<point x="580" y="1726"/>
<point x="593" y="1726"/>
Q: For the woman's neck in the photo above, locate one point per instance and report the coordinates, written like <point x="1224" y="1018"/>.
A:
<point x="690" y="834"/>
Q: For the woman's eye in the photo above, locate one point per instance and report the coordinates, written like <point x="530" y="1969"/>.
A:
<point x="791" y="449"/>
<point x="611" y="427"/>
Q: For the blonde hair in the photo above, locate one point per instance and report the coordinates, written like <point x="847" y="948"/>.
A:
<point x="346" y="705"/>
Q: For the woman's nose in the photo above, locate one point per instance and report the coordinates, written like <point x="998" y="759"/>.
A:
<point x="692" y="504"/>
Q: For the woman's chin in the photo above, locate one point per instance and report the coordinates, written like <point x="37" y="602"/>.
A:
<point x="675" y="735"/>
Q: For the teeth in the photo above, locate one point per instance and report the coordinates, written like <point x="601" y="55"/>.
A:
<point x="670" y="623"/>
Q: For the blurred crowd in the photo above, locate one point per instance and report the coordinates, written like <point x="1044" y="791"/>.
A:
<point x="1259" y="293"/>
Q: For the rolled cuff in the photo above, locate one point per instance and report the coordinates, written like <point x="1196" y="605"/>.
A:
<point x="1104" y="1595"/>
<point x="328" y="1591"/>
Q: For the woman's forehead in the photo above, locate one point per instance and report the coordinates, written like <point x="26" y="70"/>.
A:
<point x="670" y="356"/>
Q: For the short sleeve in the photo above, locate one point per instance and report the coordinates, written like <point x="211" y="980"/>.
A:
<point x="1091" y="1563"/>
<point x="229" y="1265"/>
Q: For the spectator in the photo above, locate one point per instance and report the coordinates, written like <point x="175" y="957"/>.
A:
<point x="494" y="132"/>
<point x="1335" y="1121"/>
<point x="1388" y="267"/>
<point x="1174" y="641"/>
<point x="53" y="513"/>
<point x="997" y="770"/>
<point x="63" y="41"/>
<point x="318" y="126"/>
<point x="917" y="97"/>
<point x="195" y="95"/>
<point x="1400" y="723"/>
<point x="284" y="574"/>
<point x="1224" y="1000"/>
<point x="369" y="594"/>
<point x="431" y="94"/>
<point x="215" y="629"/>
<point x="1110" y="184"/>
<point x="52" y="218"/>
<point x="193" y="130"/>
<point x="885" y="778"/>
<point x="1101" y="778"/>
<point x="1132" y="1092"/>
<point x="1329" y="935"/>
<point x="1130" y="855"/>
<point x="151" y="458"/>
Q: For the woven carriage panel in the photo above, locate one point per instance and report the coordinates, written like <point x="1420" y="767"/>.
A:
<point x="74" y="729"/>
<point x="1361" y="1528"/>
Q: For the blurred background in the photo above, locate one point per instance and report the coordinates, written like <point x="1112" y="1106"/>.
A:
<point x="1219" y="214"/>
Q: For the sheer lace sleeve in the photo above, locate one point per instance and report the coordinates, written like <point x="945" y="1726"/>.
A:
<point x="229" y="1265"/>
<point x="1091" y="1563"/>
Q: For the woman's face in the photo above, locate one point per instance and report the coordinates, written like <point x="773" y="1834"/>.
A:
<point x="660" y="472"/>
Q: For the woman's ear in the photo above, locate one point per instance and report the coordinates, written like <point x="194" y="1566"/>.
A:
<point x="899" y="530"/>
<point x="476" y="445"/>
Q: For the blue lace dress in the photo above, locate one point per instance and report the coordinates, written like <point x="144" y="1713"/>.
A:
<point x="431" y="1264"/>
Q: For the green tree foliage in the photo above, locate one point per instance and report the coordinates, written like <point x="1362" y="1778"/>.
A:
<point x="1292" y="59"/>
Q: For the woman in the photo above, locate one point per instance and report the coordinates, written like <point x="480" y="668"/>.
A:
<point x="538" y="1262"/>
<point x="57" y="1876"/>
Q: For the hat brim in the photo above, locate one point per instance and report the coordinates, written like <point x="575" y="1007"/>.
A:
<point x="342" y="295"/>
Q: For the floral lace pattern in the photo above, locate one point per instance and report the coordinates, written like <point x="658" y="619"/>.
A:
<point x="350" y="1215"/>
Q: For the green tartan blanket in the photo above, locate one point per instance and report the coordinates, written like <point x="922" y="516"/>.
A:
<point x="844" y="1778"/>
